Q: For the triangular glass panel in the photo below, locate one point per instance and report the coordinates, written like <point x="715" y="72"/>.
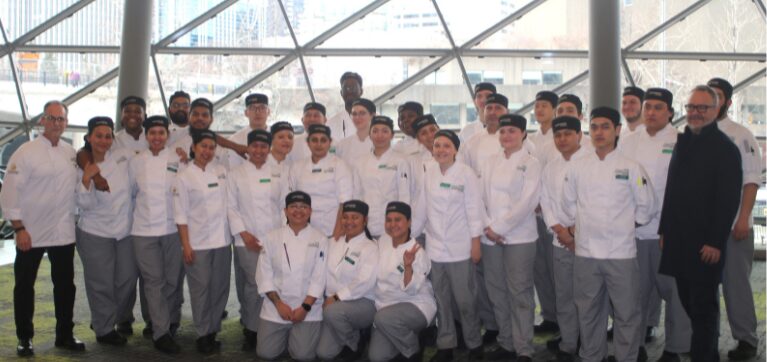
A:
<point x="466" y="21"/>
<point x="396" y="24"/>
<point x="10" y="108"/>
<point x="99" y="23"/>
<point x="19" y="17"/>
<point x="640" y="17"/>
<point x="312" y="18"/>
<point x="101" y="102"/>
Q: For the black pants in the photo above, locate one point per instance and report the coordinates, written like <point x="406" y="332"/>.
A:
<point x="62" y="274"/>
<point x="700" y="300"/>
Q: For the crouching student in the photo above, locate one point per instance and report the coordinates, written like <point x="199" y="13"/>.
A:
<point x="403" y="295"/>
<point x="256" y="191"/>
<point x="351" y="276"/>
<point x="201" y="215"/>
<point x="291" y="274"/>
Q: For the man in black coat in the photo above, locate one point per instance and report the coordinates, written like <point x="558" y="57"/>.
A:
<point x="700" y="204"/>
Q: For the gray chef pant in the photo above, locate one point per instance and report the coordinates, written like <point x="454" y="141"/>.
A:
<point x="395" y="331"/>
<point x="567" y="314"/>
<point x="160" y="261"/>
<point x="510" y="285"/>
<point x="454" y="282"/>
<point x="108" y="269"/>
<point x="301" y="339"/>
<point x="208" y="281"/>
<point x="341" y="325"/>
<point x="544" y="275"/>
<point x="245" y="264"/>
<point x="677" y="326"/>
<point x="736" y="287"/>
<point x="596" y="283"/>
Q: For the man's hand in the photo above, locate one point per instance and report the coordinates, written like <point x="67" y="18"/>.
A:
<point x="741" y="229"/>
<point x="100" y="183"/>
<point x="241" y="150"/>
<point x="709" y="254"/>
<point x="493" y="236"/>
<point x="283" y="310"/>
<point x="476" y="251"/>
<point x="251" y="242"/>
<point x="23" y="240"/>
<point x="188" y="256"/>
<point x="182" y="155"/>
<point x="298" y="314"/>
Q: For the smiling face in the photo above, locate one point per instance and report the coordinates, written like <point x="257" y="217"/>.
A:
<point x="444" y="151"/>
<point x="312" y="116"/>
<point x="131" y="117"/>
<point x="353" y="223"/>
<point x="381" y="136"/>
<point x="698" y="118"/>
<point x="282" y="142"/>
<point x="156" y="137"/>
<point x="54" y="121"/>
<point x="631" y="108"/>
<point x="204" y="151"/>
<point x="257" y="114"/>
<point x="257" y="152"/>
<point x="200" y="118"/>
<point x="298" y="214"/>
<point x="511" y="138"/>
<point x="493" y="112"/>
<point x="396" y="225"/>
<point x="361" y="117"/>
<point x="405" y="121"/>
<point x="319" y="144"/>
<point x="101" y="139"/>
<point x="426" y="136"/>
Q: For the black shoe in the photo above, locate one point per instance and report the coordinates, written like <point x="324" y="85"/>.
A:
<point x="669" y="357"/>
<point x="743" y="351"/>
<point x="611" y="359"/>
<point x="442" y="355"/>
<point x="428" y="337"/>
<point x="124" y="328"/>
<point x="649" y="334"/>
<point x="173" y="329"/>
<point x="25" y="349"/>
<point x="546" y="327"/>
<point x="553" y="344"/>
<point x="500" y="354"/>
<point x="347" y="355"/>
<point x="147" y="332"/>
<point x="642" y="355"/>
<point x="459" y="336"/>
<point x="204" y="345"/>
<point x="564" y="357"/>
<point x="489" y="337"/>
<point x="112" y="338"/>
<point x="166" y="344"/>
<point x="224" y="314"/>
<point x="250" y="340"/>
<point x="610" y="333"/>
<point x="524" y="359"/>
<point x="71" y="343"/>
<point x="477" y="354"/>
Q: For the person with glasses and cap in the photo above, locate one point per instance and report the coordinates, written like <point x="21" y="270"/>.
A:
<point x="738" y="296"/>
<point x="327" y="179"/>
<point x="38" y="197"/>
<point x="314" y="113"/>
<point x="567" y="139"/>
<point x="631" y="109"/>
<point x="103" y="232"/>
<point x="341" y="123"/>
<point x="510" y="184"/>
<point x="200" y="210"/>
<point x="348" y="307"/>
<point x="404" y="298"/>
<point x="651" y="146"/>
<point x="449" y="210"/>
<point x="256" y="191"/>
<point x="291" y="274"/>
<point x="702" y="197"/>
<point x="156" y="241"/>
<point x="358" y="143"/>
<point x="481" y="92"/>
<point x="257" y="111"/>
<point x="407" y="114"/>
<point x="382" y="174"/>
<point x="605" y="269"/>
<point x="178" y="110"/>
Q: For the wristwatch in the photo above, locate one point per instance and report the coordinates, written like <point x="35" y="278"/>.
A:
<point x="307" y="307"/>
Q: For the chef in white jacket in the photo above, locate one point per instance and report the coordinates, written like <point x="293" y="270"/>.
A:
<point x="257" y="111"/>
<point x="567" y="138"/>
<point x="314" y="113"/>
<point x="510" y="183"/>
<point x="450" y="209"/>
<point x="425" y="127"/>
<point x="407" y="114"/>
<point x="481" y="92"/>
<point x="403" y="294"/>
<point x="200" y="210"/>
<point x="383" y="174"/>
<point x="132" y="115"/>
<point x="358" y="143"/>
<point x="326" y="178"/>
<point x="351" y="277"/>
<point x="256" y="190"/>
<point x="605" y="195"/>
<point x="156" y="242"/>
<point x="103" y="231"/>
<point x="651" y="146"/>
<point x="291" y="275"/>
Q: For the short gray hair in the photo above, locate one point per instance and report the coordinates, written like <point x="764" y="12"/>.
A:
<point x="56" y="102"/>
<point x="706" y="89"/>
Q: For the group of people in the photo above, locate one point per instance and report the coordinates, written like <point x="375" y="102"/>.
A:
<point x="456" y="231"/>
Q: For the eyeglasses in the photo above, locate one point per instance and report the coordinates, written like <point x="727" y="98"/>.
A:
<point x="700" y="108"/>
<point x="48" y="117"/>
<point x="179" y="105"/>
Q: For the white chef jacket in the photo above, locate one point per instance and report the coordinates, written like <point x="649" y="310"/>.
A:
<point x="239" y="137"/>
<point x="483" y="146"/>
<point x="352" y="268"/>
<point x="418" y="170"/>
<point x="544" y="145"/>
<point x="294" y="267"/>
<point x="382" y="180"/>
<point x="470" y="130"/>
<point x="125" y="140"/>
<point x="653" y="153"/>
<point x="200" y="202"/>
<point x="604" y="199"/>
<point x="301" y="149"/>
<point x="552" y="185"/>
<point x="329" y="182"/>
<point x="626" y="131"/>
<point x="152" y="180"/>
<point x="341" y="125"/>
<point x="39" y="189"/>
<point x="185" y="143"/>
<point x="449" y="210"/>
<point x="351" y="148"/>
<point x="390" y="288"/>
<point x="108" y="214"/>
<point x="175" y="132"/>
<point x="511" y="192"/>
<point x="750" y="155"/>
<point x="256" y="199"/>
<point x="407" y="146"/>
